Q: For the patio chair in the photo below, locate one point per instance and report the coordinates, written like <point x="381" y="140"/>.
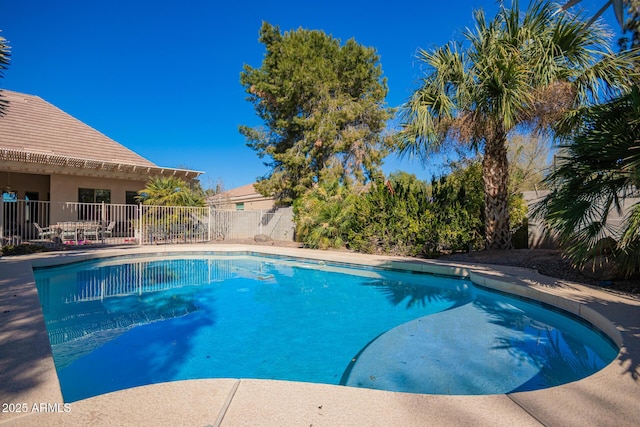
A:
<point x="108" y="232"/>
<point x="92" y="231"/>
<point x="44" y="232"/>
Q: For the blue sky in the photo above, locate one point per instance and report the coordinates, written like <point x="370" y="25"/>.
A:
<point x="162" y="77"/>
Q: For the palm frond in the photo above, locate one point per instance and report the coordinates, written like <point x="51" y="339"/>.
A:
<point x="424" y="117"/>
<point x="596" y="175"/>
<point x="631" y="234"/>
<point x="618" y="9"/>
<point x="609" y="77"/>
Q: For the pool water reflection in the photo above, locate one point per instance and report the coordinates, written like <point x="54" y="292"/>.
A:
<point x="120" y="323"/>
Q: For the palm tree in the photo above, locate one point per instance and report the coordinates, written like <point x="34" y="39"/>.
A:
<point x="618" y="9"/>
<point x="516" y="72"/>
<point x="631" y="25"/>
<point x="4" y="64"/>
<point x="169" y="191"/>
<point x="596" y="172"/>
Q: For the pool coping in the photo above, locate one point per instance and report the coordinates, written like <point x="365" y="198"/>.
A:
<point x="28" y="379"/>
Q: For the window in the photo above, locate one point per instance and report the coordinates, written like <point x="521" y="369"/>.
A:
<point x="130" y="198"/>
<point x="86" y="195"/>
<point x="103" y="196"/>
<point x="89" y="195"/>
<point x="239" y="206"/>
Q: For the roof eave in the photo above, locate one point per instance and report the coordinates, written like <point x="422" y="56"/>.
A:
<point x="66" y="164"/>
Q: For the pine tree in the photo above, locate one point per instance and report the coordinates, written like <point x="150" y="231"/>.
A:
<point x="322" y="104"/>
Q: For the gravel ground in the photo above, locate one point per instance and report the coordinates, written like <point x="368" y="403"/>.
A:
<point x="546" y="261"/>
<point x="549" y="262"/>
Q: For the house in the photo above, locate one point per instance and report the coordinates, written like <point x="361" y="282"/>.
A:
<point x="244" y="198"/>
<point x="47" y="155"/>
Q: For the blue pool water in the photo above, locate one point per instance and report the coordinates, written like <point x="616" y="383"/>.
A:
<point x="120" y="323"/>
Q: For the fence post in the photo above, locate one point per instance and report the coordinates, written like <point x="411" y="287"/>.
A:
<point x="139" y="226"/>
<point x="1" y="220"/>
<point x="209" y="225"/>
<point x="103" y="222"/>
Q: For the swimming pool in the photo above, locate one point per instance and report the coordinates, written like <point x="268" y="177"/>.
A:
<point x="119" y="323"/>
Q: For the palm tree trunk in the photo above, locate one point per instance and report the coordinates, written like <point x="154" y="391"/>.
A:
<point x="495" y="176"/>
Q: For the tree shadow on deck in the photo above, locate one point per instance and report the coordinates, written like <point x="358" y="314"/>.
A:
<point x="28" y="373"/>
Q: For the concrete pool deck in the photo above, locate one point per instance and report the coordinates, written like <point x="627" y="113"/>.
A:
<point x="30" y="393"/>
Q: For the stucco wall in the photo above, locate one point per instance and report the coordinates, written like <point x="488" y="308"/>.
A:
<point x="24" y="182"/>
<point x="64" y="188"/>
<point x="251" y="203"/>
<point x="540" y="237"/>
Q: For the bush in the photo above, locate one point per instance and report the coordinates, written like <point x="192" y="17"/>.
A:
<point x="458" y="206"/>
<point x="393" y="217"/>
<point x="399" y="216"/>
<point x="324" y="215"/>
<point x="22" y="249"/>
<point x="405" y="216"/>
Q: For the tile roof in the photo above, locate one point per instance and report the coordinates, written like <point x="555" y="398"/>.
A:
<point x="245" y="190"/>
<point x="246" y="193"/>
<point x="34" y="125"/>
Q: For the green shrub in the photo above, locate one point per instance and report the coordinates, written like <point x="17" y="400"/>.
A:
<point x="399" y="216"/>
<point x="392" y="217"/>
<point x="324" y="215"/>
<point x="458" y="207"/>
<point x="22" y="249"/>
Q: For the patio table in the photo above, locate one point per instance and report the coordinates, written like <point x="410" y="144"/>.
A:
<point x="77" y="231"/>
